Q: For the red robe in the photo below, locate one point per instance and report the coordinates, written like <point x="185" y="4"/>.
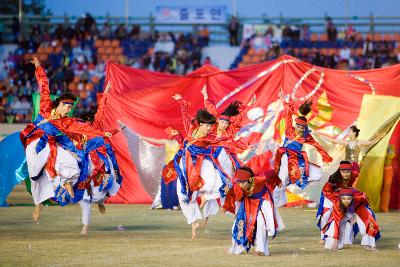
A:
<point x="194" y="180"/>
<point x="252" y="205"/>
<point x="360" y="202"/>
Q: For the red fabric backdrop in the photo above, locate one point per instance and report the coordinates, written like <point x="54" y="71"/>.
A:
<point x="142" y="100"/>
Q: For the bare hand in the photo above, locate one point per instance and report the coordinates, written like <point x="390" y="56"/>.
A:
<point x="107" y="134"/>
<point x="35" y="62"/>
<point x="252" y="101"/>
<point x="281" y="95"/>
<point x="177" y="97"/>
<point x="108" y="87"/>
<point x="204" y="92"/>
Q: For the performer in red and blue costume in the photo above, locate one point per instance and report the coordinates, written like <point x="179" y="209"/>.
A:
<point x="100" y="176"/>
<point x="351" y="207"/>
<point x="344" y="177"/>
<point x="251" y="200"/>
<point x="198" y="173"/>
<point x="226" y="149"/>
<point x="291" y="161"/>
<point x="52" y="158"/>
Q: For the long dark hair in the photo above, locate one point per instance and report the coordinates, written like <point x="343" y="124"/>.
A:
<point x="344" y="209"/>
<point x="89" y="115"/>
<point x="336" y="177"/>
<point x="232" y="109"/>
<point x="355" y="130"/>
<point x="203" y="116"/>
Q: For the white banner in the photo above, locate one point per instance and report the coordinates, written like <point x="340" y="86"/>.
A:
<point x="191" y="15"/>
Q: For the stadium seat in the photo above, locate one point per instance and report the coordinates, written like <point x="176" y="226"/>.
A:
<point x="107" y="43"/>
<point x="115" y="43"/>
<point x="98" y="43"/>
<point x="72" y="87"/>
<point x="89" y="87"/>
<point x="109" y="50"/>
<point x="95" y="79"/>
<point x="118" y="51"/>
<point x="101" y="50"/>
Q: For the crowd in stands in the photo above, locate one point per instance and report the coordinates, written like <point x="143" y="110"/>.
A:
<point x="333" y="49"/>
<point x="75" y="57"/>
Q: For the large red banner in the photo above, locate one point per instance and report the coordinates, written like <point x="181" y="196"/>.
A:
<point x="142" y="100"/>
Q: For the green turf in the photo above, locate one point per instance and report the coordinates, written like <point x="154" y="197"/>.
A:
<point x="162" y="238"/>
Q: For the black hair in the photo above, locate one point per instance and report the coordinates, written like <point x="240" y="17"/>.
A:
<point x="64" y="96"/>
<point x="245" y="168"/>
<point x="337" y="177"/>
<point x="355" y="129"/>
<point x="305" y="108"/>
<point x="89" y="115"/>
<point x="203" y="116"/>
<point x="344" y="209"/>
<point x="232" y="109"/>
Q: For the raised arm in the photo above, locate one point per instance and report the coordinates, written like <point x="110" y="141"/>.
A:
<point x="187" y="121"/>
<point x="101" y="103"/>
<point x="210" y="106"/>
<point x="330" y="139"/>
<point x="45" y="101"/>
<point x="156" y="141"/>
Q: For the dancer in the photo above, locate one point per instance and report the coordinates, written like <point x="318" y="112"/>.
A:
<point x="251" y="200"/>
<point x="52" y="158"/>
<point x="291" y="160"/>
<point x="100" y="176"/>
<point x="351" y="207"/>
<point x="197" y="172"/>
<point x="166" y="197"/>
<point x="225" y="152"/>
<point x="353" y="147"/>
<point x="342" y="178"/>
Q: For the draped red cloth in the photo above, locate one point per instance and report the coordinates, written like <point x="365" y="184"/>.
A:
<point x="142" y="100"/>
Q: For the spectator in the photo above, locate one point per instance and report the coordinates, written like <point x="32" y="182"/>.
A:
<point x="331" y="31"/>
<point x="233" y="29"/>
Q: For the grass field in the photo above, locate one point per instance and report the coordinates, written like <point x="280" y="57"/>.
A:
<point x="162" y="238"/>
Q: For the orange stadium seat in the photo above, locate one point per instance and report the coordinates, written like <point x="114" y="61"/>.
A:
<point x="95" y="79"/>
<point x="101" y="50"/>
<point x="107" y="43"/>
<point x="246" y="58"/>
<point x="98" y="43"/>
<point x="388" y="37"/>
<point x="77" y="79"/>
<point x="118" y="51"/>
<point x="72" y="87"/>
<point x="314" y="37"/>
<point x="89" y="86"/>
<point x="251" y="52"/>
<point x="83" y="94"/>
<point x="115" y="43"/>
<point x="323" y="37"/>
<point x="378" y="37"/>
<point x="109" y="50"/>
<point x="103" y="57"/>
